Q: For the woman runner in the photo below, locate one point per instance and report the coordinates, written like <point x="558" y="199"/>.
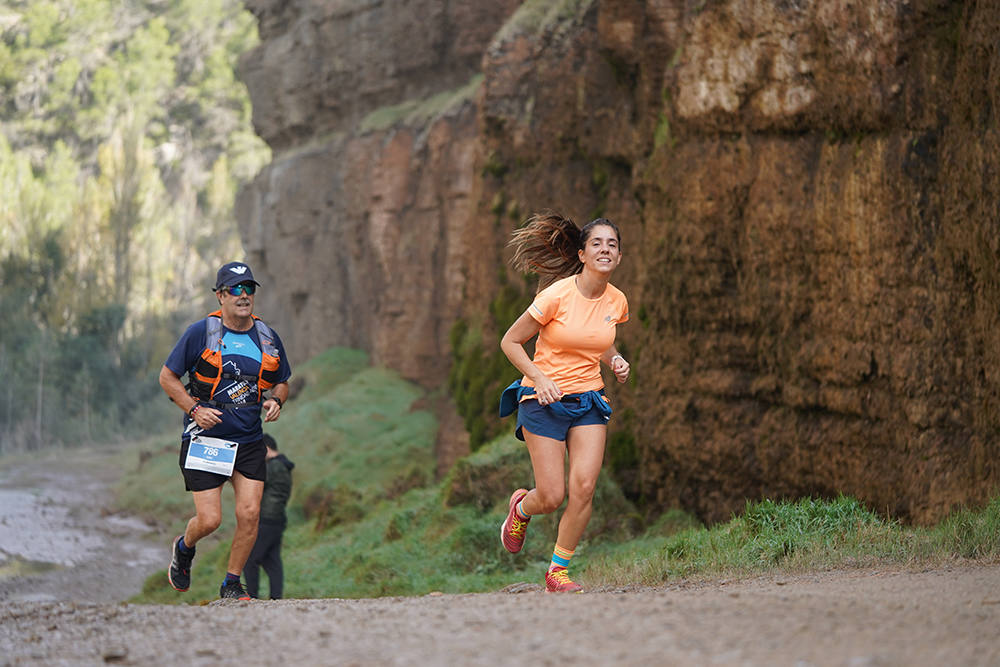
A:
<point x="560" y="401"/>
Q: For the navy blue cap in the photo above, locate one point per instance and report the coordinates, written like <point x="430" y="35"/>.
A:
<point x="234" y="273"/>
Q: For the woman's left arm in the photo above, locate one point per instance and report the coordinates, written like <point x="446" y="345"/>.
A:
<point x="617" y="362"/>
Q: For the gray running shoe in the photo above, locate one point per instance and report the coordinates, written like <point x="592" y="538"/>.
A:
<point x="233" y="591"/>
<point x="179" y="573"/>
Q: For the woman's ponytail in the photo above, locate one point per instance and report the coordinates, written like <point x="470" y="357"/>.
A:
<point x="547" y="244"/>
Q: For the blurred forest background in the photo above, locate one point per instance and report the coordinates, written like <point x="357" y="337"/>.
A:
<point x="126" y="135"/>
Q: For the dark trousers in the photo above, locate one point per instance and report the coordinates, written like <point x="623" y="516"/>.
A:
<point x="266" y="553"/>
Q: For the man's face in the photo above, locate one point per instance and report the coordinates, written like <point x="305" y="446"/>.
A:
<point x="237" y="301"/>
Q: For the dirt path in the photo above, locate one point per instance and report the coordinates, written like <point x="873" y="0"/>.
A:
<point x="944" y="617"/>
<point x="853" y="618"/>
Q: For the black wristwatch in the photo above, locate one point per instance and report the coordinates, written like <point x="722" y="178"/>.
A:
<point x="277" y="400"/>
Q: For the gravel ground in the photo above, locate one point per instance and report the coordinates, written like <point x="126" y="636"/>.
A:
<point x="858" y="618"/>
<point x="946" y="616"/>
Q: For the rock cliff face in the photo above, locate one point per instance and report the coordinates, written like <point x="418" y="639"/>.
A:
<point x="360" y="221"/>
<point x="807" y="191"/>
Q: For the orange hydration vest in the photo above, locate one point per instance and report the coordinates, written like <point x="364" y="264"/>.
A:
<point x="208" y="370"/>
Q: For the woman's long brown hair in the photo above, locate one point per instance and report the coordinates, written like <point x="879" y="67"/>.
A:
<point x="547" y="245"/>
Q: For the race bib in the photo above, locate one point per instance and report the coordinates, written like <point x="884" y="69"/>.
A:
<point x="211" y="455"/>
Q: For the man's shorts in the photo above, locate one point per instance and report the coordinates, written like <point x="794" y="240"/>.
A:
<point x="544" y="421"/>
<point x="251" y="461"/>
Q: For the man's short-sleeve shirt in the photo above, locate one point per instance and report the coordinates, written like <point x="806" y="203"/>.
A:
<point x="241" y="355"/>
<point x="575" y="332"/>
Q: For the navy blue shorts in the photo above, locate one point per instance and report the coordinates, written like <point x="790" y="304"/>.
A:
<point x="544" y="421"/>
<point x="251" y="461"/>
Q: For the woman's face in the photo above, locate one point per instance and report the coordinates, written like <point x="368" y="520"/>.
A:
<point x="600" y="251"/>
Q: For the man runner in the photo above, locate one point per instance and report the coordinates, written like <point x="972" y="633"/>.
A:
<point x="231" y="358"/>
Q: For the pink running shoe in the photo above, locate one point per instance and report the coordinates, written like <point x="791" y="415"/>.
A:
<point x="512" y="528"/>
<point x="557" y="581"/>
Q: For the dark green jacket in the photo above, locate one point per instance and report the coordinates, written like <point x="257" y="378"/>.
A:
<point x="277" y="490"/>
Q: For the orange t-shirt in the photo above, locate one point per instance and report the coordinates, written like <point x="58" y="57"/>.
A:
<point x="575" y="332"/>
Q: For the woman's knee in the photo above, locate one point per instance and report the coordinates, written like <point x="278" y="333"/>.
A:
<point x="549" y="499"/>
<point x="582" y="490"/>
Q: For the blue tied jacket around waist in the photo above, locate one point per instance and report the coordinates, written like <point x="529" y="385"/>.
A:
<point x="512" y="395"/>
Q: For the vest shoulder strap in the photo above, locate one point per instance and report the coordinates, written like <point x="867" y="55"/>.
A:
<point x="213" y="331"/>
<point x="266" y="336"/>
<point x="213" y="334"/>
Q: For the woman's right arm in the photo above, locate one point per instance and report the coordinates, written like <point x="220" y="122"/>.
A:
<point x="524" y="329"/>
